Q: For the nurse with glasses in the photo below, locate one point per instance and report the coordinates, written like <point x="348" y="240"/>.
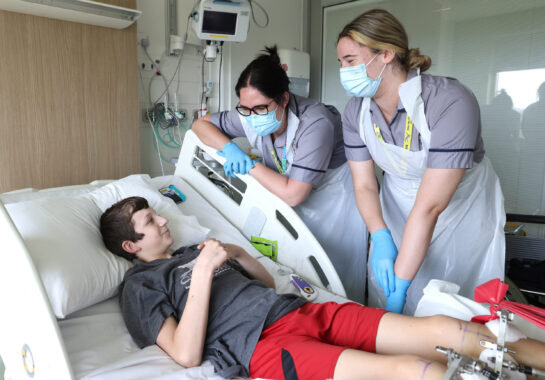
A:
<point x="303" y="160"/>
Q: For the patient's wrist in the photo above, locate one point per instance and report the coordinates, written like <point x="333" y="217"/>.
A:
<point x="204" y="269"/>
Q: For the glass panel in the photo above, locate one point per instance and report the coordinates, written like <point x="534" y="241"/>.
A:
<point x="494" y="48"/>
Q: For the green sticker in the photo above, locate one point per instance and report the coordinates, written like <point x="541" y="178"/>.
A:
<point x="266" y="247"/>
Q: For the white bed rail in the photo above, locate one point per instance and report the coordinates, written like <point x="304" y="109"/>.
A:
<point x="273" y="219"/>
<point x="30" y="341"/>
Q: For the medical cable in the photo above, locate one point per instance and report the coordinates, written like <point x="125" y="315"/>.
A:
<point x="143" y="85"/>
<point x="185" y="40"/>
<point x="219" y="77"/>
<point x="156" y="145"/>
<point x="167" y="85"/>
<point x="163" y="142"/>
<point x="177" y="145"/>
<point x="202" y="86"/>
<point x="264" y="12"/>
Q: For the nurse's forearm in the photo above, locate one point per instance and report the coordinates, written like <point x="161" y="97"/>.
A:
<point x="368" y="203"/>
<point x="290" y="191"/>
<point x="209" y="134"/>
<point x="366" y="193"/>
<point x="415" y="243"/>
<point x="434" y="194"/>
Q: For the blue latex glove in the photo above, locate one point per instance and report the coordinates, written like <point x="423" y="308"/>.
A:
<point x="236" y="160"/>
<point x="382" y="262"/>
<point x="396" y="299"/>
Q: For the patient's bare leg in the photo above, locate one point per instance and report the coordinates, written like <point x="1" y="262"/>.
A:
<point x="400" y="334"/>
<point x="354" y="364"/>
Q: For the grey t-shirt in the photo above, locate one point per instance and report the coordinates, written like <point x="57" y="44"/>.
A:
<point x="453" y="117"/>
<point x="318" y="141"/>
<point x="239" y="307"/>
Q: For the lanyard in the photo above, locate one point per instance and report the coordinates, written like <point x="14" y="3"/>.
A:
<point x="281" y="168"/>
<point x="407" y="138"/>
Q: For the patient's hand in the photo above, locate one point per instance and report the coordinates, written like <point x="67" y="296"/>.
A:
<point x="213" y="254"/>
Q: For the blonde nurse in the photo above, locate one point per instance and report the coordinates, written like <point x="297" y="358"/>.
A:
<point x="439" y="213"/>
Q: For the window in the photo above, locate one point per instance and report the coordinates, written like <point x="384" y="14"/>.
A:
<point x="495" y="50"/>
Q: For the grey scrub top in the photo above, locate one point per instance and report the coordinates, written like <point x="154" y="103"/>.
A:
<point x="453" y="117"/>
<point x="318" y="142"/>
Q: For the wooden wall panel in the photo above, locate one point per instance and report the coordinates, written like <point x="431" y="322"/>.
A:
<point x="68" y="102"/>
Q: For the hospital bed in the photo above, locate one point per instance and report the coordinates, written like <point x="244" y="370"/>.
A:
<point x="47" y="334"/>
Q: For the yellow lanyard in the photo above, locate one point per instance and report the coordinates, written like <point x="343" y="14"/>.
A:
<point x="281" y="168"/>
<point x="407" y="138"/>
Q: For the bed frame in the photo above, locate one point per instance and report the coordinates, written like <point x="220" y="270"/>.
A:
<point x="31" y="344"/>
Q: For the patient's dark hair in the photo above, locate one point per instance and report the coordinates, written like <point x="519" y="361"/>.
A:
<point x="265" y="73"/>
<point x="116" y="225"/>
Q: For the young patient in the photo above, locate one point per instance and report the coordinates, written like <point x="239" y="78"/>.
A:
<point x="214" y="301"/>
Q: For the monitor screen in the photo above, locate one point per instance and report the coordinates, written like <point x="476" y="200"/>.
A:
<point x="219" y="22"/>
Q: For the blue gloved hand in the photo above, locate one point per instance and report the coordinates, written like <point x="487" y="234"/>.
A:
<point x="382" y="262"/>
<point x="236" y="160"/>
<point x="396" y="299"/>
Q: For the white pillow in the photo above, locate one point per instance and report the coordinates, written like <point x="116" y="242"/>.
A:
<point x="65" y="244"/>
<point x="184" y="229"/>
<point x="64" y="240"/>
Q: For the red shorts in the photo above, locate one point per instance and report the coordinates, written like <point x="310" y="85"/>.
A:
<point x="306" y="343"/>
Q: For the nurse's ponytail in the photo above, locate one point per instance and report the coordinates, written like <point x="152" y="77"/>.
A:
<point x="414" y="59"/>
<point x="379" y="30"/>
<point x="266" y="74"/>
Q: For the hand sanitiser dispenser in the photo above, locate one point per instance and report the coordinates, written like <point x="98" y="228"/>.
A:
<point x="221" y="20"/>
<point x="298" y="63"/>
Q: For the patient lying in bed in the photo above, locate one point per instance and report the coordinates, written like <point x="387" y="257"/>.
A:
<point x="214" y="301"/>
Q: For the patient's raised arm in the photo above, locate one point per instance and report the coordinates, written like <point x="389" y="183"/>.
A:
<point x="184" y="341"/>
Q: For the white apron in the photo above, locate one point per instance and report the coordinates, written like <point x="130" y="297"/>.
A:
<point x="468" y="242"/>
<point x="330" y="212"/>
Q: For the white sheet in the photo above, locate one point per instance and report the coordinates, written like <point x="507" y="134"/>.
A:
<point x="97" y="340"/>
<point x="441" y="297"/>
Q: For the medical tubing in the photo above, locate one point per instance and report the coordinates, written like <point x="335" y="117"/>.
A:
<point x="202" y="81"/>
<point x="163" y="141"/>
<point x="172" y="139"/>
<point x="147" y="55"/>
<point x="156" y="145"/>
<point x="264" y="12"/>
<point x="143" y="85"/>
<point x="167" y="85"/>
<point x="183" y="49"/>
<point x="219" y="77"/>
<point x="157" y="135"/>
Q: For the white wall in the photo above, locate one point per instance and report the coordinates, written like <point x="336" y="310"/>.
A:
<point x="288" y="21"/>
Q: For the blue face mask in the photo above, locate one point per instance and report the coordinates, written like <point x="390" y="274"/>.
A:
<point x="356" y="82"/>
<point x="266" y="124"/>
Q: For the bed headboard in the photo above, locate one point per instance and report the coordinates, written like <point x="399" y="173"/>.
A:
<point x="38" y="347"/>
<point x="244" y="208"/>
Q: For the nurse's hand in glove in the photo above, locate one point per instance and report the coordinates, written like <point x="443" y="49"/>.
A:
<point x="236" y="160"/>
<point x="382" y="262"/>
<point x="396" y="300"/>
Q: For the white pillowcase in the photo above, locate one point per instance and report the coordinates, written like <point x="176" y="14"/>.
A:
<point x="64" y="240"/>
<point x="184" y="229"/>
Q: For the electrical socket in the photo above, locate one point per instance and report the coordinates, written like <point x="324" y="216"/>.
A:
<point x="145" y="116"/>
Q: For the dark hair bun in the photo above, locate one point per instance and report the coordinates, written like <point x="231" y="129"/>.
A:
<point x="272" y="54"/>
<point x="265" y="73"/>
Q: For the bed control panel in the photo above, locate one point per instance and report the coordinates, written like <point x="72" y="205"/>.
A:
<point x="303" y="287"/>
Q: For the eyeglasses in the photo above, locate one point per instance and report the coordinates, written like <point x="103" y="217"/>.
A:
<point x="260" y="109"/>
